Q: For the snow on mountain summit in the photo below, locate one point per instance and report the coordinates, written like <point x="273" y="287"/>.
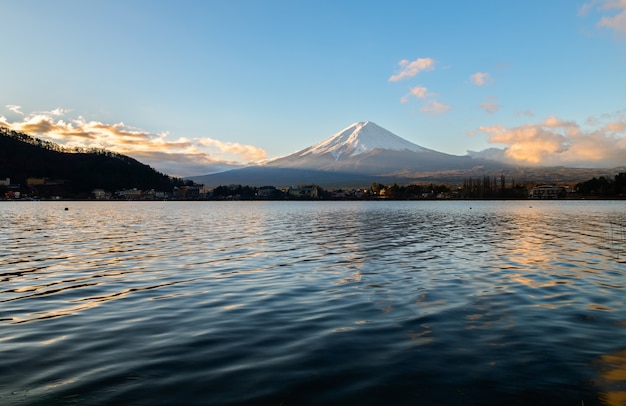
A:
<point x="359" y="138"/>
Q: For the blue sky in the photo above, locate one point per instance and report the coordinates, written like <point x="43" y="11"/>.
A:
<point x="186" y="85"/>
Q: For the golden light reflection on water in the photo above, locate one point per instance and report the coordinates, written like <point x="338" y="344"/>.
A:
<point x="595" y="306"/>
<point x="523" y="247"/>
<point x="537" y="250"/>
<point x="233" y="306"/>
<point x="352" y="278"/>
<point x="87" y="303"/>
<point x="532" y="283"/>
<point x="53" y="340"/>
<point x="26" y="289"/>
<point x="611" y="378"/>
<point x="419" y="338"/>
<point x="484" y="321"/>
<point x="57" y="384"/>
<point x="66" y="311"/>
<point x="342" y="329"/>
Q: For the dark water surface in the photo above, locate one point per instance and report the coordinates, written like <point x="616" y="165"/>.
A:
<point x="291" y="303"/>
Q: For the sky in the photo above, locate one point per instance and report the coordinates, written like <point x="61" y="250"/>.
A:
<point x="186" y="86"/>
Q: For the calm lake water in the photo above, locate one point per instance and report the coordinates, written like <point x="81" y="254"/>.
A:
<point x="291" y="303"/>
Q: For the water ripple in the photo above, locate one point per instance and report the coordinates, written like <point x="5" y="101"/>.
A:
<point x="394" y="302"/>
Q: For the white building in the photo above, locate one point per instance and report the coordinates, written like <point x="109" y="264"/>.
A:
<point x="547" y="192"/>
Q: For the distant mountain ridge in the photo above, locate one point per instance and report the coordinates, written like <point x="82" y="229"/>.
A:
<point x="364" y="152"/>
<point x="74" y="173"/>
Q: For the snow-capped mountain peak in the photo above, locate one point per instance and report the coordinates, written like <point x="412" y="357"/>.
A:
<point x="360" y="138"/>
<point x="356" y="156"/>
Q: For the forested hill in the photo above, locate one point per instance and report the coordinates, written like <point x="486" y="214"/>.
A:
<point x="74" y="172"/>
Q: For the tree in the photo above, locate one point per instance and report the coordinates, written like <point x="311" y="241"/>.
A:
<point x="376" y="188"/>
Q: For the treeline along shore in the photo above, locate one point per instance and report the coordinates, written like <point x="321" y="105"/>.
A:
<point x="485" y="188"/>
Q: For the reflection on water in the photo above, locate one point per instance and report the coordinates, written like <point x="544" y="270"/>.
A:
<point x="612" y="377"/>
<point x="313" y="302"/>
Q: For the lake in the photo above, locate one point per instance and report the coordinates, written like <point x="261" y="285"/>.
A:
<point x="292" y="303"/>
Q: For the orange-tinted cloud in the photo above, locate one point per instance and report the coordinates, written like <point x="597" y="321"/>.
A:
<point x="560" y="142"/>
<point x="618" y="20"/>
<point x="480" y="78"/>
<point x="491" y="105"/>
<point x="179" y="157"/>
<point x="435" y="108"/>
<point x="527" y="113"/>
<point x="418" y="91"/>
<point x="617" y="127"/>
<point x="616" y="8"/>
<point x="408" y="69"/>
<point x="248" y="152"/>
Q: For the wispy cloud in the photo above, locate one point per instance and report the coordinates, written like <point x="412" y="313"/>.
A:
<point x="616" y="8"/>
<point x="527" y="113"/>
<point x="15" y="109"/>
<point x="554" y="141"/>
<point x="176" y="156"/>
<point x="480" y="78"/>
<point x="418" y="91"/>
<point x="248" y="152"/>
<point x="435" y="108"/>
<point x="618" y="21"/>
<point x="491" y="105"/>
<point x="409" y="69"/>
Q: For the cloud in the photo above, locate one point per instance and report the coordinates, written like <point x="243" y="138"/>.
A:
<point x="248" y="152"/>
<point x="418" y="91"/>
<point x="617" y="127"/>
<point x="174" y="156"/>
<point x="185" y="164"/>
<point x="585" y="8"/>
<point x="435" y="108"/>
<point x="432" y="106"/>
<point x="617" y="8"/>
<point x="15" y="109"/>
<point x="408" y="69"/>
<point x="529" y="144"/>
<point x="480" y="78"/>
<point x="491" y="106"/>
<point x="555" y="122"/>
<point x="527" y="113"/>
<point x="617" y="22"/>
<point x="554" y="141"/>
<point x="55" y="112"/>
<point x="496" y="154"/>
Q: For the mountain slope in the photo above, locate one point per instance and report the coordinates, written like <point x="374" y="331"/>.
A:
<point x="76" y="173"/>
<point x="367" y="148"/>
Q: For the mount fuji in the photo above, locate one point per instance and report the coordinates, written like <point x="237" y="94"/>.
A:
<point x="356" y="156"/>
<point x="366" y="148"/>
